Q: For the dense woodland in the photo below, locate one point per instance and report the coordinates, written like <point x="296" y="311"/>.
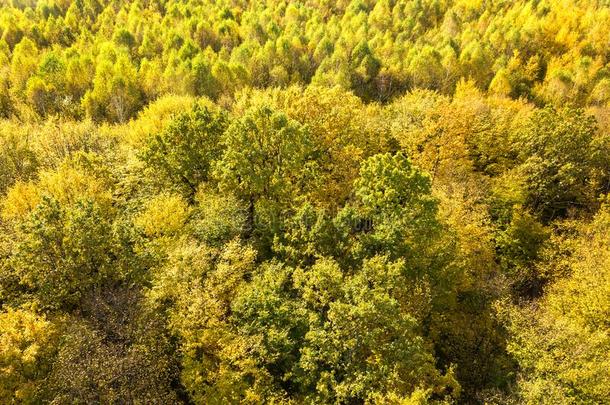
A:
<point x="315" y="202"/>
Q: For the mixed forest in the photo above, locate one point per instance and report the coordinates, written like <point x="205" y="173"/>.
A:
<point x="305" y="202"/>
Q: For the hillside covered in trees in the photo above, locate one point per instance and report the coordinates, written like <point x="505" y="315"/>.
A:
<point x="313" y="202"/>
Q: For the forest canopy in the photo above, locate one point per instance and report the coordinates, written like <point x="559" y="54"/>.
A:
<point x="316" y="202"/>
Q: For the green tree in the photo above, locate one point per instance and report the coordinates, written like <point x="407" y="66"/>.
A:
<point x="396" y="208"/>
<point x="60" y="252"/>
<point x="560" y="161"/>
<point x="267" y="159"/>
<point x="116" y="94"/>
<point x="361" y="345"/>
<point x="186" y="150"/>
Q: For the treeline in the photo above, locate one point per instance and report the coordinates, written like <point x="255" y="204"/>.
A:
<point x="108" y="59"/>
<point x="322" y="202"/>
